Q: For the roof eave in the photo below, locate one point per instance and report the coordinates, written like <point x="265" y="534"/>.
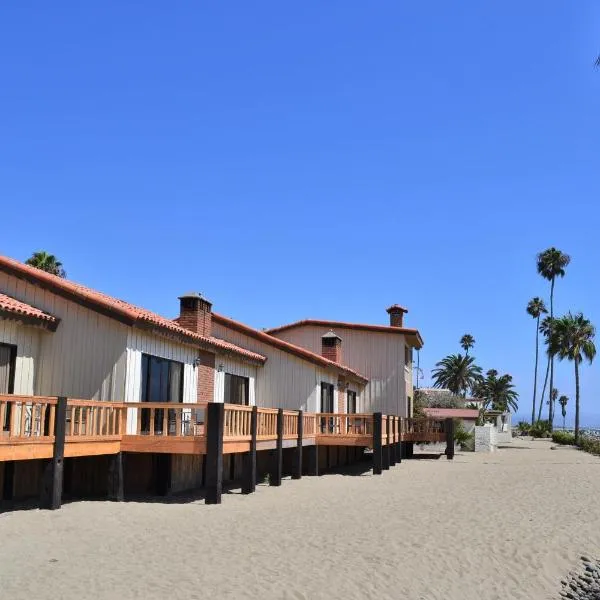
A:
<point x="30" y="320"/>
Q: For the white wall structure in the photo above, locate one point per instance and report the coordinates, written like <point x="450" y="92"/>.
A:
<point x="485" y="438"/>
<point x="504" y="428"/>
<point x="27" y="341"/>
<point x="285" y="381"/>
<point x="378" y="356"/>
<point x="84" y="358"/>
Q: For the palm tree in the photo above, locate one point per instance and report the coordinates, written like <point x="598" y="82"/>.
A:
<point x="551" y="263"/>
<point x="573" y="338"/>
<point x="46" y="262"/>
<point x="467" y="341"/>
<point x="553" y="399"/>
<point x="546" y="331"/>
<point x="456" y="372"/>
<point x="536" y="308"/>
<point x="499" y="392"/>
<point x="563" y="405"/>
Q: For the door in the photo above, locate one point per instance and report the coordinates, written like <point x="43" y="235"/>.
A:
<point x="8" y="359"/>
<point x="326" y="407"/>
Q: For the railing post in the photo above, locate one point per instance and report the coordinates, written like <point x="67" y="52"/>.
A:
<point x="214" y="452"/>
<point x="115" y="478"/>
<point x="52" y="482"/>
<point x="377" y="447"/>
<point x="297" y="474"/>
<point x="392" y="439"/>
<point x="249" y="466"/>
<point x="449" y="439"/>
<point x="386" y="447"/>
<point x="277" y="456"/>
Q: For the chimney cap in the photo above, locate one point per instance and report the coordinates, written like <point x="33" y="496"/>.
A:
<point x="396" y="308"/>
<point x="331" y="335"/>
<point x="194" y="296"/>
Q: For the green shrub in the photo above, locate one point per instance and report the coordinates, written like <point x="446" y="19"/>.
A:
<point x="465" y="440"/>
<point x="563" y="437"/>
<point x="524" y="427"/>
<point x="591" y="445"/>
<point x="540" y="429"/>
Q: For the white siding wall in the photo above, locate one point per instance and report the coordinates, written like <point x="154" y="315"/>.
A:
<point x="235" y="368"/>
<point x="285" y="381"/>
<point x="27" y="341"/>
<point x="377" y="356"/>
<point x="84" y="357"/>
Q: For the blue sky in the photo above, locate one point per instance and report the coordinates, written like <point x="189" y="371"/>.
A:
<point x="319" y="160"/>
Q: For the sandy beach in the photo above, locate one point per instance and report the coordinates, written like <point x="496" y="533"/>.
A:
<point x="504" y="525"/>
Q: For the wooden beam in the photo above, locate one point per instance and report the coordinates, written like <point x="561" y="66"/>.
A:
<point x="214" y="452"/>
<point x="277" y="454"/>
<point x="249" y="460"/>
<point x="449" y="439"/>
<point x="297" y="474"/>
<point x="377" y="447"/>
<point x="115" y="478"/>
<point x="52" y="482"/>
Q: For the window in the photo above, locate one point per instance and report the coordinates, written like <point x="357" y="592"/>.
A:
<point x="327" y="407"/>
<point x="162" y="381"/>
<point x="351" y="402"/>
<point x="237" y="389"/>
<point x="407" y="356"/>
<point x="8" y="359"/>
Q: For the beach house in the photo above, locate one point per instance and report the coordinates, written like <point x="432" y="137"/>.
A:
<point x="381" y="353"/>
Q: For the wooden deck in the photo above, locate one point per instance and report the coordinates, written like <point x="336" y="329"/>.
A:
<point x="27" y="425"/>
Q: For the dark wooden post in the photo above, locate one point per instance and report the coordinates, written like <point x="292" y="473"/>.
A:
<point x="313" y="459"/>
<point x="449" y="439"/>
<point x="386" y="447"/>
<point x="214" y="452"/>
<point x="249" y="474"/>
<point x="115" y="478"/>
<point x="8" y="482"/>
<point x="392" y="439"/>
<point x="297" y="474"/>
<point x="277" y="456"/>
<point x="377" y="448"/>
<point x="52" y="482"/>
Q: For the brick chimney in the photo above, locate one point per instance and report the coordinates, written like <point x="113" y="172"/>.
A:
<point x="396" y="313"/>
<point x="331" y="347"/>
<point x="195" y="313"/>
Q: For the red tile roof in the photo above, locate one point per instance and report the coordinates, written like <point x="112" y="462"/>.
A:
<point x="261" y="336"/>
<point x="11" y="305"/>
<point x="118" y="309"/>
<point x="452" y="413"/>
<point x="410" y="333"/>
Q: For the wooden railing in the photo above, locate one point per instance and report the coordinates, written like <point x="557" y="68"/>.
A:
<point x="266" y="428"/>
<point x="309" y="424"/>
<point x="344" y="424"/>
<point x="169" y="418"/>
<point x="27" y="417"/>
<point x="237" y="422"/>
<point x="88" y="418"/>
<point x="290" y="424"/>
<point x="423" y="425"/>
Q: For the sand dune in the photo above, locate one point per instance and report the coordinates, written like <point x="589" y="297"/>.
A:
<point x="506" y="525"/>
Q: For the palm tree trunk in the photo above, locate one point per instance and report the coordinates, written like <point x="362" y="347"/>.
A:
<point x="576" y="401"/>
<point x="564" y="417"/>
<point x="550" y="407"/>
<point x="544" y="390"/>
<point x="537" y="353"/>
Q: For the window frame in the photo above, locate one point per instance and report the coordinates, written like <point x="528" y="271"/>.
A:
<point x="232" y="377"/>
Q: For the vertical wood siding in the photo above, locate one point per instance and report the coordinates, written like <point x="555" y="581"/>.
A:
<point x="378" y="356"/>
<point x="284" y="381"/>
<point x="85" y="357"/>
<point x="27" y="341"/>
<point x="140" y="342"/>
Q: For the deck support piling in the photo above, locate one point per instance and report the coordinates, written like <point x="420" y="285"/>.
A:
<point x="391" y="431"/>
<point x="377" y="447"/>
<point x="8" y="483"/>
<point x="249" y="469"/>
<point x="115" y="478"/>
<point x="297" y="474"/>
<point x="449" y="439"/>
<point x="214" y="452"/>
<point x="52" y="481"/>
<point x="313" y="460"/>
<point x="385" y="449"/>
<point x="277" y="456"/>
